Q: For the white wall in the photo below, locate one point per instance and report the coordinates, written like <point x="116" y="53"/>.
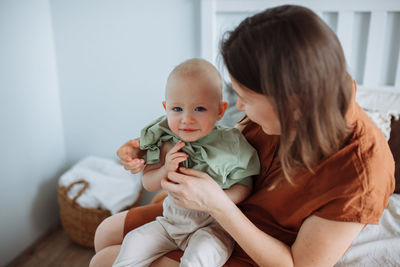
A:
<point x="108" y="63"/>
<point x="32" y="153"/>
<point x="113" y="59"/>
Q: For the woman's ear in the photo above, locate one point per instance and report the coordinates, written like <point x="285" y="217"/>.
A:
<point x="164" y="105"/>
<point x="222" y="108"/>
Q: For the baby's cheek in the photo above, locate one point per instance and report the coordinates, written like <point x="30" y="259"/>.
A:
<point x="211" y="125"/>
<point x="173" y="125"/>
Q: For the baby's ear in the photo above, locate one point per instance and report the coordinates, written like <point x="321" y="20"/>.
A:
<point x="164" y="105"/>
<point x="222" y="108"/>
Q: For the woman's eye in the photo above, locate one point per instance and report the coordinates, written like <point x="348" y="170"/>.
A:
<point x="200" y="109"/>
<point x="177" y="109"/>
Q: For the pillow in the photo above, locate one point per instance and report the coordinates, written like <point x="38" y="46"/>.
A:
<point x="382" y="120"/>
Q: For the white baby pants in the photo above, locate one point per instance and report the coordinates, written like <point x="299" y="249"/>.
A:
<point x="204" y="242"/>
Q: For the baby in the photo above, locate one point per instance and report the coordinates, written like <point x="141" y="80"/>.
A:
<point x="187" y="135"/>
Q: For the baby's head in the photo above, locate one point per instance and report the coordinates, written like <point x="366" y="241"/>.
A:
<point x="193" y="99"/>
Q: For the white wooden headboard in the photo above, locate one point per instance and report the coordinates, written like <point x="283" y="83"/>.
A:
<point x="369" y="31"/>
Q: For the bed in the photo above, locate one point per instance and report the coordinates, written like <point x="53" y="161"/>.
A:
<point x="369" y="32"/>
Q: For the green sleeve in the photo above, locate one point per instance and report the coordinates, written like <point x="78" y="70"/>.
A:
<point x="150" y="140"/>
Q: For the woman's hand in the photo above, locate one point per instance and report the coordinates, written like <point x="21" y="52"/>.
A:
<point x="131" y="156"/>
<point x="195" y="190"/>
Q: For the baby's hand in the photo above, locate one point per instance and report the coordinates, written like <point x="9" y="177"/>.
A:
<point x="174" y="157"/>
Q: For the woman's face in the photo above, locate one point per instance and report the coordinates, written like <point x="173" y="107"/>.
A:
<point x="257" y="107"/>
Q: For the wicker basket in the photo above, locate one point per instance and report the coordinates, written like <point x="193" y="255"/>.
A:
<point x="80" y="223"/>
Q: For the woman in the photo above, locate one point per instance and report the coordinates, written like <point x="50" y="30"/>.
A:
<point x="326" y="170"/>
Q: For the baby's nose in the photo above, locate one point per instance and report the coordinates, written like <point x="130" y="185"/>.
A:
<point x="188" y="118"/>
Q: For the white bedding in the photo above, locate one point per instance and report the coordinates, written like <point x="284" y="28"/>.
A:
<point x="377" y="245"/>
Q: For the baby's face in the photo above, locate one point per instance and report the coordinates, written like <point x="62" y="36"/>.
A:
<point x="192" y="106"/>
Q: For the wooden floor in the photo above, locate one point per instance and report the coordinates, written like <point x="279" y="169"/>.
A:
<point x="54" y="250"/>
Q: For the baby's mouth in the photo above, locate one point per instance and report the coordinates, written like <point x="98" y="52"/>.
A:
<point x="186" y="130"/>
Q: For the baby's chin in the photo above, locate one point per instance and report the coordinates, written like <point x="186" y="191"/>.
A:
<point x="188" y="139"/>
<point x="194" y="138"/>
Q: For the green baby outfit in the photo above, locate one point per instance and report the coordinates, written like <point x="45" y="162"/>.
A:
<point x="228" y="158"/>
<point x="224" y="153"/>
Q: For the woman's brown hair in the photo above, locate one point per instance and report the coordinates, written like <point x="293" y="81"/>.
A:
<point x="290" y="55"/>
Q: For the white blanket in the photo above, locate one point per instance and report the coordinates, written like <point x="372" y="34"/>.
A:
<point x="111" y="187"/>
<point x="377" y="245"/>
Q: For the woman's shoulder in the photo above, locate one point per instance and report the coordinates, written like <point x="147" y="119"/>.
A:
<point x="369" y="145"/>
<point x="360" y="175"/>
<point x="365" y="152"/>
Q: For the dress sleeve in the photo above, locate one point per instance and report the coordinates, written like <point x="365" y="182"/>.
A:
<point x="364" y="185"/>
<point x="150" y="140"/>
<point x="246" y="162"/>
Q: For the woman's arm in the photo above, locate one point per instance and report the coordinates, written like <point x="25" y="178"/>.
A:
<point x="323" y="242"/>
<point x="320" y="242"/>
<point x="237" y="192"/>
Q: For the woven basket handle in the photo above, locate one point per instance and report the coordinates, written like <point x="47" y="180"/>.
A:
<point x="83" y="189"/>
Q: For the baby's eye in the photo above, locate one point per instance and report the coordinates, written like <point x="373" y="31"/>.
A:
<point x="200" y="109"/>
<point x="177" y="109"/>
